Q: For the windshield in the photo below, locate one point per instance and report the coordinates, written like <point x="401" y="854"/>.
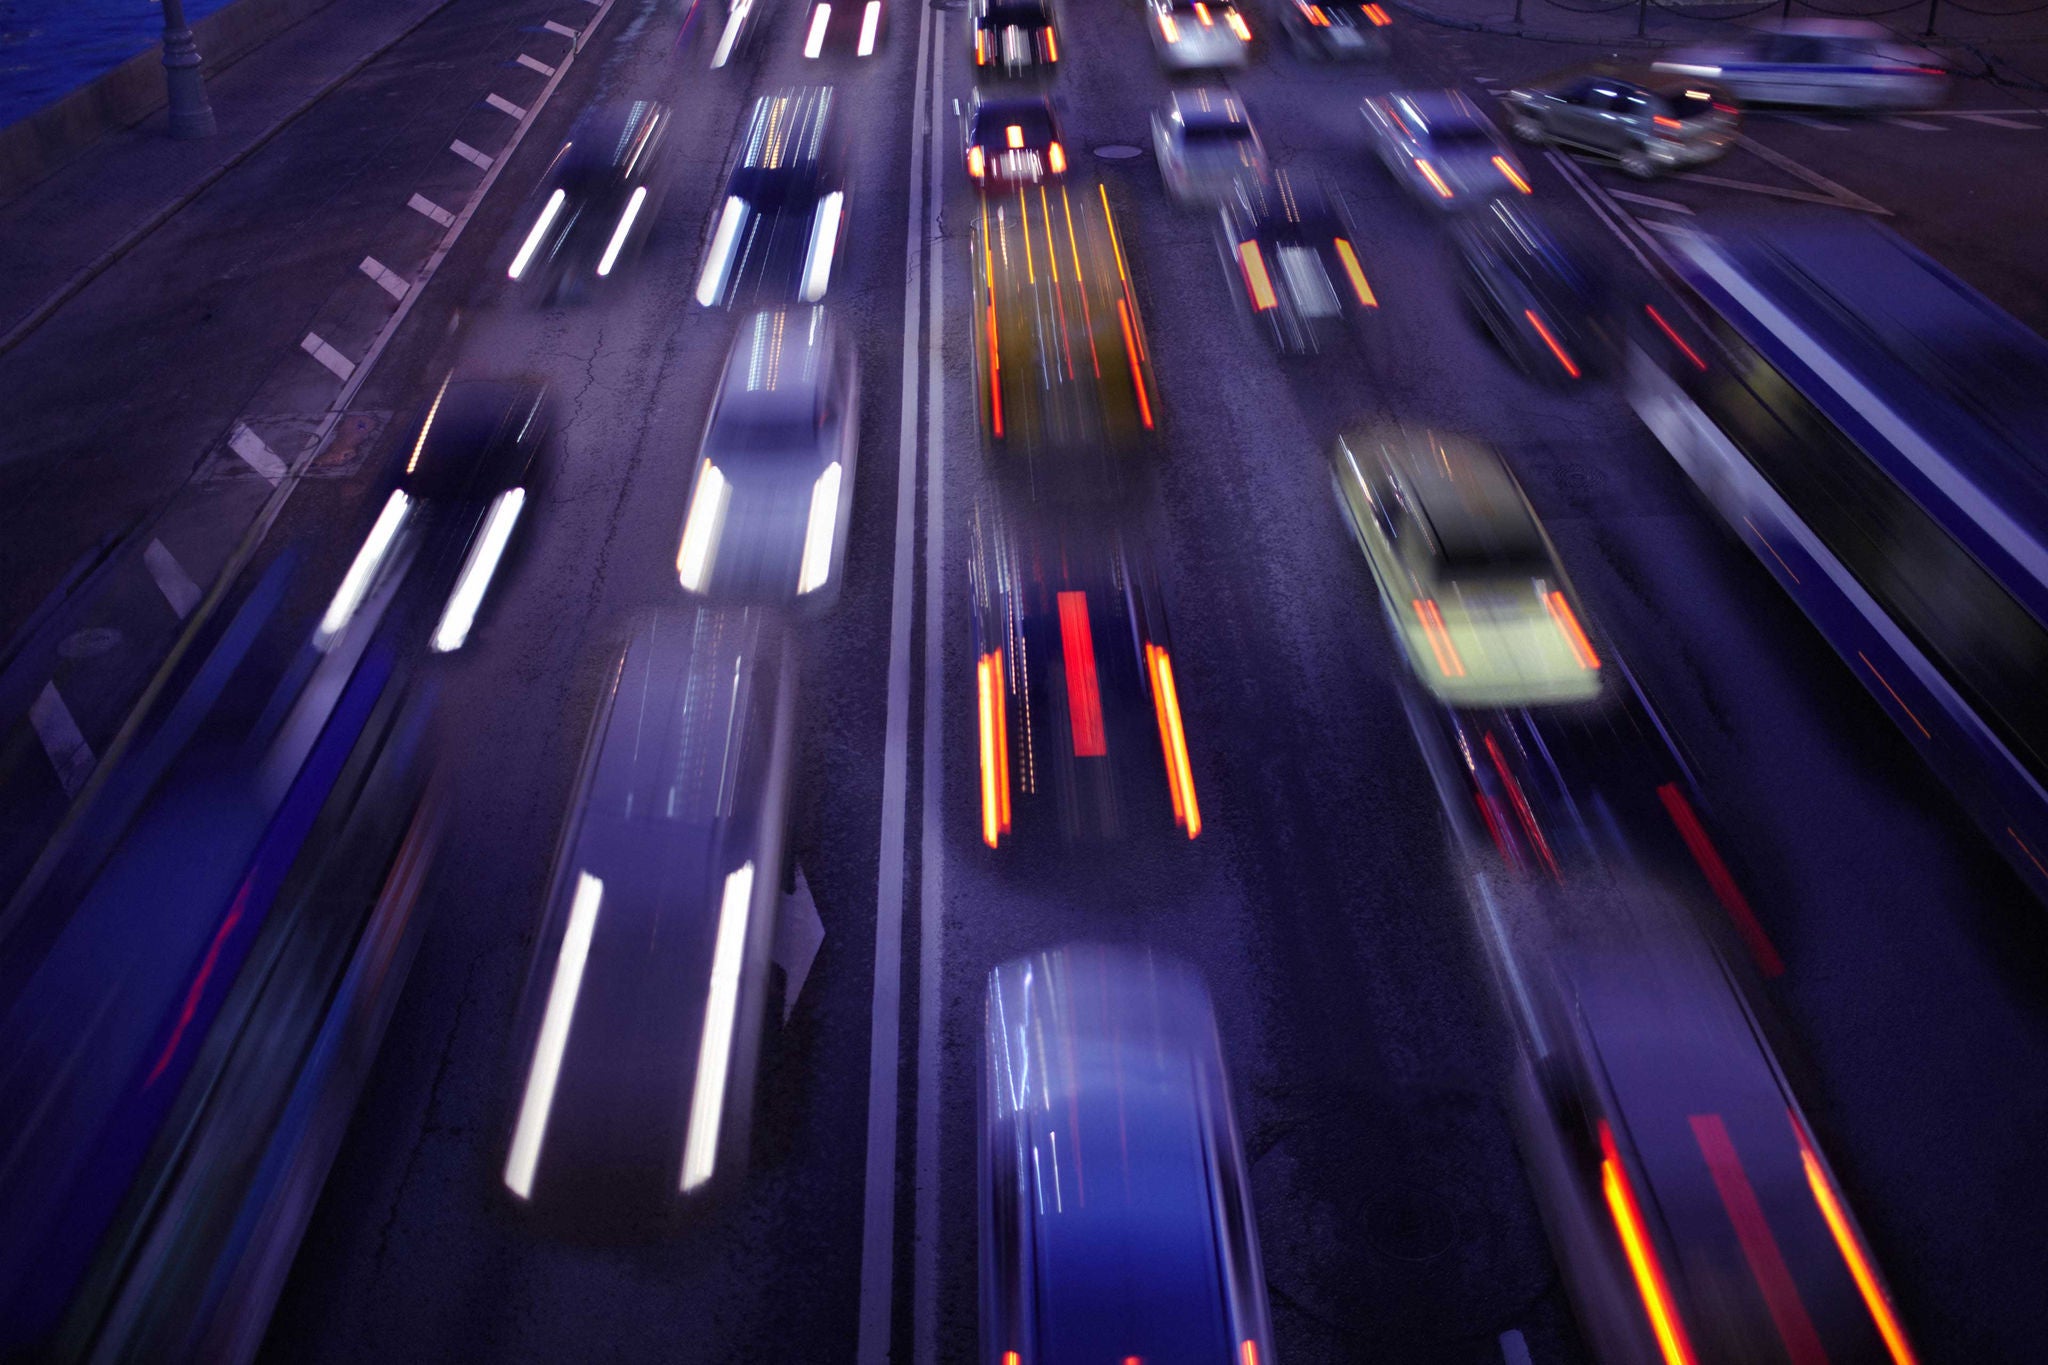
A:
<point x="1461" y="137"/>
<point x="1217" y="134"/>
<point x="1015" y="14"/>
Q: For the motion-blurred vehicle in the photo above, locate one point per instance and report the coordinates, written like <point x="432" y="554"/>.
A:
<point x="1538" y="292"/>
<point x="1205" y="145"/>
<point x="1011" y="141"/>
<point x="1648" y="123"/>
<point x="1291" y="249"/>
<point x="1466" y="574"/>
<point x="1196" y="35"/>
<point x="776" y="234"/>
<point x="1336" y="32"/>
<point x="448" y="524"/>
<point x="1081" y="737"/>
<point x="642" y="1016"/>
<point x="1116" y="1216"/>
<point x="1015" y="38"/>
<point x="1870" y="426"/>
<point x="770" y="499"/>
<point x="1063" y="377"/>
<point x="1438" y="145"/>
<point x="740" y="26"/>
<point x="853" y="26"/>
<point x="1824" y="63"/>
<point x="598" y="201"/>
<point x="1694" y="1216"/>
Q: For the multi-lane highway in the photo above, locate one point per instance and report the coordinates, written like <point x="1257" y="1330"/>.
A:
<point x="1325" y="902"/>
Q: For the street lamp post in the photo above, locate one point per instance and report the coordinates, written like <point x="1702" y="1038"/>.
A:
<point x="191" y="115"/>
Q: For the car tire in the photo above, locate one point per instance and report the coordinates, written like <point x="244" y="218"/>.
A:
<point x="1527" y="129"/>
<point x="1638" y="164"/>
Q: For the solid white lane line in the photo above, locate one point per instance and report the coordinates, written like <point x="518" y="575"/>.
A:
<point x="1775" y="192"/>
<point x="470" y="154"/>
<point x="256" y="454"/>
<point x="563" y="29"/>
<point x="532" y="64"/>
<point x="68" y="752"/>
<point x="1786" y="164"/>
<point x="1651" y="203"/>
<point x="931" y="896"/>
<point x="1514" y="1350"/>
<point x="334" y="360"/>
<point x="171" y="579"/>
<point x="1996" y="122"/>
<point x="504" y="106"/>
<point x="1807" y="121"/>
<point x="420" y="204"/>
<point x="885" y="1018"/>
<point x="388" y="280"/>
<point x="1916" y="125"/>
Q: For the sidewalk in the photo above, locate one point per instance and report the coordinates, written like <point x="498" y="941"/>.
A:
<point x="2007" y="44"/>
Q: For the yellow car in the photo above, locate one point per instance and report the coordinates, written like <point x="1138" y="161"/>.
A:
<point x="1472" y="584"/>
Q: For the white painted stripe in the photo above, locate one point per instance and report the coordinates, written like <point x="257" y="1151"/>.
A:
<point x="1916" y="125"/>
<point x="419" y="203"/>
<point x="1806" y="121"/>
<point x="885" y="1017"/>
<point x="470" y="154"/>
<point x="171" y="579"/>
<point x="68" y="752"/>
<point x="1995" y="121"/>
<point x="388" y="280"/>
<point x="334" y="360"/>
<point x="1514" y="1350"/>
<point x="1813" y="178"/>
<point x="504" y="106"/>
<point x="531" y="64"/>
<point x="1650" y="202"/>
<point x="563" y="29"/>
<point x="258" y="456"/>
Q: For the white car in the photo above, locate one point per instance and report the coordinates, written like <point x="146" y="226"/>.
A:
<point x="1822" y="63"/>
<point x="1205" y="145"/>
<point x="1195" y="35"/>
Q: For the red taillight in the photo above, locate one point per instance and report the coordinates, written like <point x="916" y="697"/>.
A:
<point x="1377" y="15"/>
<point x="1641" y="1252"/>
<point x="1723" y="108"/>
<point x="1571" y="370"/>
<point x="1084" y="699"/>
<point x="977" y="162"/>
<point x="1052" y="47"/>
<point x="992" y="712"/>
<point x="1676" y="340"/>
<point x="980" y="48"/>
<point x="1663" y="122"/>
<point x="1256" y="282"/>
<point x="1056" y="159"/>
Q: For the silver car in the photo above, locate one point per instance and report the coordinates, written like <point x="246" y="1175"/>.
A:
<point x="1197" y="35"/>
<point x="1205" y="145"/>
<point x="1438" y="144"/>
<point x="774" y="484"/>
<point x="1651" y="123"/>
<point x="1821" y="63"/>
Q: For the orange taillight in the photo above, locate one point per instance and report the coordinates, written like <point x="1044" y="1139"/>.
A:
<point x="1574" y="634"/>
<point x="1642" y="1256"/>
<point x="993" y="715"/>
<point x="1056" y="159"/>
<point x="1180" y="779"/>
<point x="1256" y="282"/>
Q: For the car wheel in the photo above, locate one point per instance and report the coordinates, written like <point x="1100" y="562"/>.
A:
<point x="1525" y="127"/>
<point x="1638" y="164"/>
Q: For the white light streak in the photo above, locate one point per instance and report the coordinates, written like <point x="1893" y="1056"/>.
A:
<point x="475" y="578"/>
<point x="554" y="1037"/>
<point x="356" y="582"/>
<point x="714" y="1052"/>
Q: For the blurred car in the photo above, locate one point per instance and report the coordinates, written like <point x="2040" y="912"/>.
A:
<point x="1438" y="144"/>
<point x="642" y="1013"/>
<point x="853" y="26"/>
<point x="1195" y="35"/>
<point x="1649" y="125"/>
<point x="1694" y="1216"/>
<point x="740" y="26"/>
<point x="448" y="524"/>
<point x="774" y="485"/>
<point x="1291" y="249"/>
<point x="1017" y="38"/>
<point x="1081" y="737"/>
<point x="1116" y="1217"/>
<point x="598" y="200"/>
<point x="1466" y="574"/>
<point x="1205" y="144"/>
<point x="1827" y="63"/>
<point x="1063" y="377"/>
<point x="776" y="234"/>
<point x="1337" y="32"/>
<point x="1012" y="140"/>
<point x="1539" y="293"/>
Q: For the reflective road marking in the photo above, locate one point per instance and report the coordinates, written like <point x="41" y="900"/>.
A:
<point x="69" y="754"/>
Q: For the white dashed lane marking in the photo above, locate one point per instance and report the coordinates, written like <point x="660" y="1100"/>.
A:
<point x="534" y="64"/>
<point x="563" y="29"/>
<point x="1995" y="121"/>
<point x="1647" y="202"/>
<point x="470" y="154"/>
<point x="68" y="752"/>
<point x="1916" y="125"/>
<point x="1805" y="122"/>
<point x="387" y="279"/>
<point x="1514" y="1350"/>
<point x="255" y="454"/>
<point x="171" y="579"/>
<point x="504" y="106"/>
<point x="419" y="203"/>
<point x="334" y="360"/>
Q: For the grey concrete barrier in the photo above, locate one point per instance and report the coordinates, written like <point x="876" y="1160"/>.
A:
<point x="34" y="147"/>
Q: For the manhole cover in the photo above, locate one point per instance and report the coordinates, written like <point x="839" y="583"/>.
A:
<point x="1411" y="1225"/>
<point x="1118" y="151"/>
<point x="89" y="643"/>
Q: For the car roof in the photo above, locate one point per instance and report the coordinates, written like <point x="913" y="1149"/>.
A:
<point x="786" y="131"/>
<point x="1433" y="109"/>
<point x="1205" y="107"/>
<point x="778" y="364"/>
<point x="473" y="436"/>
<point x="1279" y="206"/>
<point x="1461" y="489"/>
<point x="607" y="138"/>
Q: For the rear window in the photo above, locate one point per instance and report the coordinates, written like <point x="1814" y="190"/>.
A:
<point x="1460" y="135"/>
<point x="991" y="126"/>
<point x="1217" y="134"/>
<point x="1015" y="14"/>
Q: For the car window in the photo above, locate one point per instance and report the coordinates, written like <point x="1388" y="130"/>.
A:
<point x="1638" y="104"/>
<point x="1577" y="92"/>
